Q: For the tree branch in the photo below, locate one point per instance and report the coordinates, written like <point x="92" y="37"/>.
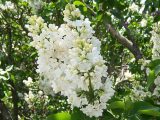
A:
<point x="132" y="38"/>
<point x="132" y="47"/>
<point x="13" y="86"/>
<point x="4" y="112"/>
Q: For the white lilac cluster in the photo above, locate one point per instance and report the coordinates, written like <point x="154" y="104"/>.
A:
<point x="28" y="82"/>
<point x="156" y="41"/>
<point x="36" y="24"/>
<point x="157" y="88"/>
<point x="35" y="4"/>
<point x="8" y="5"/>
<point x="135" y="8"/>
<point x="125" y="74"/>
<point x="139" y="93"/>
<point x="69" y="60"/>
<point x="156" y="55"/>
<point x="34" y="96"/>
<point x="143" y="23"/>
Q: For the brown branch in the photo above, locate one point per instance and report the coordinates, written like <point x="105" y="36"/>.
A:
<point x="4" y="112"/>
<point x="132" y="47"/>
<point x="14" y="99"/>
<point x="132" y="39"/>
<point x="10" y="62"/>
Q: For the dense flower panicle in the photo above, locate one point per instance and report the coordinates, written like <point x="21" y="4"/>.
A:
<point x="157" y="88"/>
<point x="133" y="7"/>
<point x="7" y="6"/>
<point x="156" y="41"/>
<point x="28" y="82"/>
<point x="156" y="55"/>
<point x="143" y="23"/>
<point x="139" y="93"/>
<point x="34" y="96"/>
<point x="70" y="62"/>
<point x="35" y="24"/>
<point x="35" y="4"/>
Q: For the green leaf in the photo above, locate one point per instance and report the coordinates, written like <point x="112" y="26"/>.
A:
<point x="151" y="78"/>
<point x="78" y="3"/>
<point x="154" y="63"/>
<point x="79" y="115"/>
<point x="117" y="105"/>
<point x="157" y="70"/>
<point x="108" y="116"/>
<point x="99" y="17"/>
<point x="145" y="108"/>
<point x="134" y="117"/>
<point x="153" y="111"/>
<point x="60" y="116"/>
<point x="129" y="105"/>
<point x="140" y="105"/>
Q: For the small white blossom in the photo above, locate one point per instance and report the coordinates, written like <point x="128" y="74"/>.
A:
<point x="127" y="74"/>
<point x="40" y="93"/>
<point x="143" y="23"/>
<point x="28" y="82"/>
<point x="29" y="98"/>
<point x="134" y="7"/>
<point x="20" y="95"/>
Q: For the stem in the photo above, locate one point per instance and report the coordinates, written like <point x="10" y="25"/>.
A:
<point x="136" y="49"/>
<point x="4" y="112"/>
<point x="91" y="91"/>
<point x="14" y="100"/>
